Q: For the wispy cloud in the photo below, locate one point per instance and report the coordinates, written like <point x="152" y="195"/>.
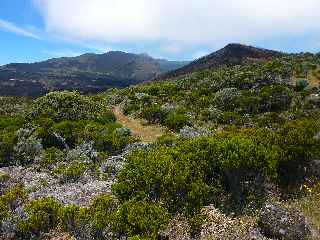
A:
<point x="11" y="27"/>
<point x="61" y="53"/>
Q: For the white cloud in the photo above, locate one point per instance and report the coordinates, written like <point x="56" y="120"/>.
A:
<point x="178" y="24"/>
<point x="10" y="27"/>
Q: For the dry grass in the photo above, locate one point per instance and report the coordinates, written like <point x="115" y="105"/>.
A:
<point x="147" y="133"/>
<point x="313" y="77"/>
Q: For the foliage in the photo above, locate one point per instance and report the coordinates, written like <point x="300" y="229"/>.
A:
<point x="197" y="171"/>
<point x="140" y="218"/>
<point x="51" y="157"/>
<point x="42" y="217"/>
<point x="71" y="172"/>
<point x="301" y="84"/>
<point x="72" y="106"/>
<point x="7" y="143"/>
<point x="28" y="147"/>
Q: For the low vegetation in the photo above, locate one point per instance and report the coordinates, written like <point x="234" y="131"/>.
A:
<point x="237" y="140"/>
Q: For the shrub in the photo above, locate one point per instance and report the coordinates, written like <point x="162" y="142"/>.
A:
<point x="225" y="98"/>
<point x="298" y="147"/>
<point x="275" y="98"/>
<point x="71" y="172"/>
<point x="140" y="218"/>
<point x="76" y="220"/>
<point x="7" y="142"/>
<point x="42" y="217"/>
<point x="102" y="209"/>
<point x="69" y="130"/>
<point x="177" y="121"/>
<point x="89" y="222"/>
<point x="70" y="106"/>
<point x="154" y="114"/>
<point x="302" y="84"/>
<point x="120" y="138"/>
<point x="4" y="211"/>
<point x="51" y="156"/>
<point x="12" y="123"/>
<point x="196" y="172"/>
<point x="10" y="199"/>
<point x="28" y="147"/>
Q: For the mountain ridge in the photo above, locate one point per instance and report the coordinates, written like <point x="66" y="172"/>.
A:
<point x="87" y="73"/>
<point x="232" y="54"/>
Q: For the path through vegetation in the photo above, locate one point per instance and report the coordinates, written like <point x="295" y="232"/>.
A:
<point x="146" y="133"/>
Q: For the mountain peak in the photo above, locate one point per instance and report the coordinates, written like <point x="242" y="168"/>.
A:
<point x="231" y="55"/>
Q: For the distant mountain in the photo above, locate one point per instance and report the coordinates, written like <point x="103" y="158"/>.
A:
<point x="231" y="55"/>
<point x="86" y="73"/>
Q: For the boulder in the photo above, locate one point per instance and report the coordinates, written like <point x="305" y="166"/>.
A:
<point x="279" y="222"/>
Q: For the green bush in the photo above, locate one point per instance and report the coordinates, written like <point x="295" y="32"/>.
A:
<point x="51" y="156"/>
<point x="177" y="121"/>
<point x="154" y="114"/>
<point x="302" y="84"/>
<point x="7" y="142"/>
<point x="189" y="176"/>
<point x="140" y="218"/>
<point x="102" y="209"/>
<point x="12" y="123"/>
<point x="275" y="98"/>
<point x="71" y="172"/>
<point x="70" y="106"/>
<point x="95" y="218"/>
<point x="42" y="217"/>
<point x="298" y="147"/>
<point x="75" y="219"/>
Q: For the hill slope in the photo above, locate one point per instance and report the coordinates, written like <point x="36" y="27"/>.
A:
<point x="231" y="55"/>
<point x="86" y="73"/>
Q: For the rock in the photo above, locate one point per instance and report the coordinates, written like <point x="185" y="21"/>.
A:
<point x="190" y="132"/>
<point x="283" y="223"/>
<point x="113" y="165"/>
<point x="134" y="146"/>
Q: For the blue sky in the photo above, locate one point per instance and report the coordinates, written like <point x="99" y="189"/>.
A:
<point x="34" y="30"/>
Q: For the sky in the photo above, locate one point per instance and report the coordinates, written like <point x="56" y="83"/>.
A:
<point x="34" y="30"/>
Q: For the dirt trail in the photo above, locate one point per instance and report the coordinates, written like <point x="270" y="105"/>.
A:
<point x="146" y="133"/>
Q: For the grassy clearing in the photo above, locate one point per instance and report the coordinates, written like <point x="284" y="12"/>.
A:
<point x="146" y="133"/>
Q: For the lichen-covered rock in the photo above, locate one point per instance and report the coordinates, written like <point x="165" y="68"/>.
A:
<point x="279" y="222"/>
<point x="134" y="146"/>
<point x="191" y="132"/>
<point x="113" y="165"/>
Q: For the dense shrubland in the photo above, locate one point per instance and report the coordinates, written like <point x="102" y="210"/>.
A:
<point x="238" y="95"/>
<point x="237" y="138"/>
